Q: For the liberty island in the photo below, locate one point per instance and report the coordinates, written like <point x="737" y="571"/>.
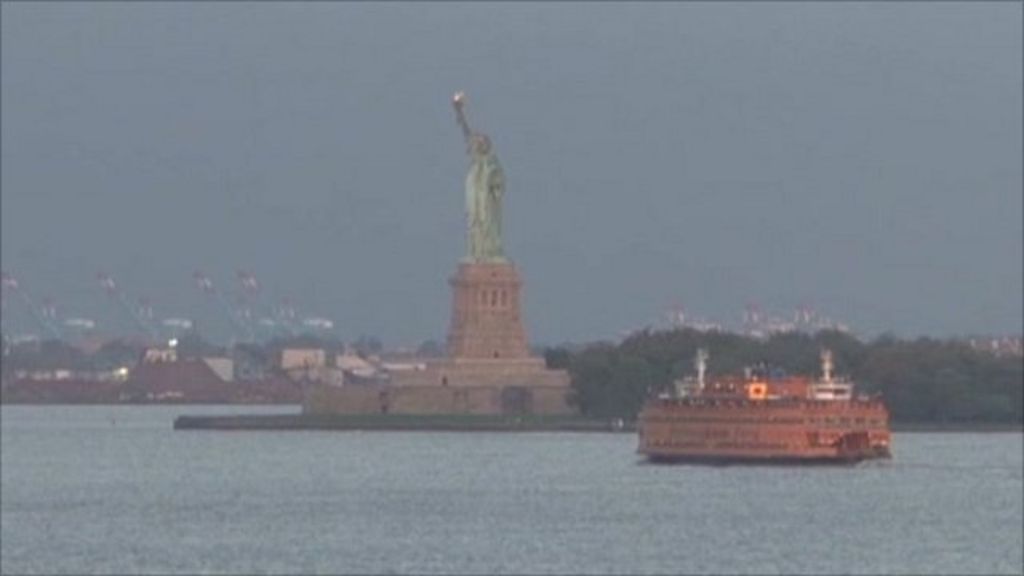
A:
<point x="488" y="369"/>
<point x="488" y="378"/>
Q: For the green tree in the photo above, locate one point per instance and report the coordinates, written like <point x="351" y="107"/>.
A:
<point x="922" y="380"/>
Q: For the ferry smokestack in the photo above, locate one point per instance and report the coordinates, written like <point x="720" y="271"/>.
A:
<point x="702" y="366"/>
<point x="826" y="365"/>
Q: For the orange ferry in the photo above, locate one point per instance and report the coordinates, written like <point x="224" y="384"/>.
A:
<point x="764" y="419"/>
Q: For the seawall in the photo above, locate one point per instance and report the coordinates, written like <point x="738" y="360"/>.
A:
<point x="401" y="422"/>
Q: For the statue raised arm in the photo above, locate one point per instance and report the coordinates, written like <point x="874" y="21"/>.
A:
<point x="485" y="189"/>
<point x="460" y="116"/>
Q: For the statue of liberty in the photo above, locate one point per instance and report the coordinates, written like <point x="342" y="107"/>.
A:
<point x="485" y="187"/>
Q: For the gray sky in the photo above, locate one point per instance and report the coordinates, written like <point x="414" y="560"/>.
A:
<point x="861" y="158"/>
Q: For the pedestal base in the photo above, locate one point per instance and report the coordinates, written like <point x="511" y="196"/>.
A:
<point x="489" y="370"/>
<point x="486" y="315"/>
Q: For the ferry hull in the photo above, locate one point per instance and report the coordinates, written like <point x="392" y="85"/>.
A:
<point x="765" y="460"/>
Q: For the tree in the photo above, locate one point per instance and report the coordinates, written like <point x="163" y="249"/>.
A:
<point x="430" y="349"/>
<point x="368" y="345"/>
<point x="922" y="380"/>
<point x="557" y="358"/>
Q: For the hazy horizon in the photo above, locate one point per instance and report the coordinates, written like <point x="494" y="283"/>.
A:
<point x="863" y="159"/>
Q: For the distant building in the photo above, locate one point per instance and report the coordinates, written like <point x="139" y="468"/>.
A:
<point x="224" y="368"/>
<point x="303" y="358"/>
<point x="251" y="363"/>
<point x="998" y="345"/>
<point x="356" y="365"/>
<point x="160" y="354"/>
<point x="310" y="364"/>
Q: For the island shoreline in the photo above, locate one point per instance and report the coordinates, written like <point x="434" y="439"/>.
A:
<point x="483" y="423"/>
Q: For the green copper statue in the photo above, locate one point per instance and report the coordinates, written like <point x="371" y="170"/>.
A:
<point x="485" y="187"/>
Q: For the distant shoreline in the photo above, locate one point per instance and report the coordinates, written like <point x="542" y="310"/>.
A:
<point x="295" y="404"/>
<point x="579" y="423"/>
<point x="497" y="423"/>
<point x="400" y="422"/>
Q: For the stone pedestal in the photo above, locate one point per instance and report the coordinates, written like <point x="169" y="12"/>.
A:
<point x="486" y="313"/>
<point x="488" y="370"/>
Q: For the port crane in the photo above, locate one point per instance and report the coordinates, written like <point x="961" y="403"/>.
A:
<point x="283" y="318"/>
<point x="289" y="320"/>
<point x="141" y="314"/>
<point x="286" y="315"/>
<point x="42" y="316"/>
<point x="676" y="316"/>
<point x="249" y="302"/>
<point x="241" y="329"/>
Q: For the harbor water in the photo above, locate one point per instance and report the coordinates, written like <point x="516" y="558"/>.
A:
<point x="115" y="490"/>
